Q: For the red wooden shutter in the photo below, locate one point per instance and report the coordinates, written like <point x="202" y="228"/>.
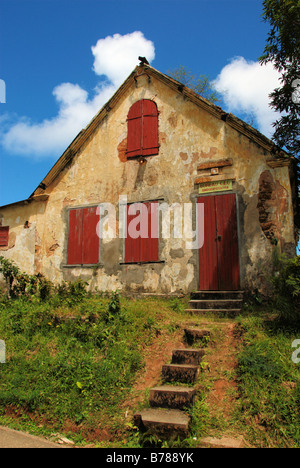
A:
<point x="149" y="245"/>
<point x="90" y="239"/>
<point x="150" y="128"/>
<point x="4" y="232"/>
<point x="75" y="237"/>
<point x="134" y="130"/>
<point x="83" y="245"/>
<point x="142" y="126"/>
<point x="143" y="248"/>
<point x="133" y="239"/>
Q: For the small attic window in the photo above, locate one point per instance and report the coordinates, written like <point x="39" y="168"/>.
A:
<point x="142" y="129"/>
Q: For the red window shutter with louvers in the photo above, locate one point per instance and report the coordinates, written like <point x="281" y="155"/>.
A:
<point x="149" y="245"/>
<point x="134" y="130"/>
<point x="144" y="247"/>
<point x="150" y="128"/>
<point x="4" y="232"/>
<point x="75" y="237"/>
<point x="154" y="244"/>
<point x="83" y="245"/>
<point x="132" y="244"/>
<point x="142" y="129"/>
<point x="90" y="239"/>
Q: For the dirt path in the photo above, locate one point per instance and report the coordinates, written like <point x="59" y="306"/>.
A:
<point x="217" y="378"/>
<point x="221" y="358"/>
<point x="157" y="354"/>
<point x="222" y="397"/>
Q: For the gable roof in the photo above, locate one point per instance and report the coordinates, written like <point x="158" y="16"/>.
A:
<point x="178" y="87"/>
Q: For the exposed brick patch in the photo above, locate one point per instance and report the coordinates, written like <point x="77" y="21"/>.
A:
<point x="272" y="203"/>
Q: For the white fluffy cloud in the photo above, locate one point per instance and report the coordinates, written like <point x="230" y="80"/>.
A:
<point x="115" y="57"/>
<point x="245" y="87"/>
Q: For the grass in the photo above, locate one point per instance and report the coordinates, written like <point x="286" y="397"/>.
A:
<point x="72" y="363"/>
<point x="268" y="381"/>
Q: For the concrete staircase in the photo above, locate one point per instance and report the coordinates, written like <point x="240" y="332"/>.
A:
<point x="228" y="303"/>
<point x="168" y="402"/>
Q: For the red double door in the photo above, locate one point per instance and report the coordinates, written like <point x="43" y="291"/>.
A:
<point x="219" y="255"/>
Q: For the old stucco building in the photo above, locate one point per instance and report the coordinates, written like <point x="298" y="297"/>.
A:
<point x="158" y="144"/>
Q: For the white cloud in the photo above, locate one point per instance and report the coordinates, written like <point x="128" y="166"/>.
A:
<point x="115" y="57"/>
<point x="245" y="87"/>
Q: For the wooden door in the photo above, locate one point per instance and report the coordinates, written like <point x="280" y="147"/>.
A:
<point x="219" y="256"/>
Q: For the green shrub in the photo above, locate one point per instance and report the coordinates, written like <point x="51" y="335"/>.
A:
<point x="71" y="292"/>
<point x="287" y="288"/>
<point x="21" y="284"/>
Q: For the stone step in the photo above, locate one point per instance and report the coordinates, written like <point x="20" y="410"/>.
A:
<point x="223" y="442"/>
<point x="217" y="295"/>
<point x="187" y="356"/>
<point x="163" y="421"/>
<point x="227" y="312"/>
<point x="193" y="335"/>
<point x="172" y="396"/>
<point x="184" y="373"/>
<point x="216" y="303"/>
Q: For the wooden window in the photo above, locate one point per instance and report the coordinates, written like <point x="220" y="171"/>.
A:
<point x="4" y="232"/>
<point x="142" y="129"/>
<point x="141" y="241"/>
<point x="83" y="242"/>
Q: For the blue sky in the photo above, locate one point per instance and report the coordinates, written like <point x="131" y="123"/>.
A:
<point x="62" y="59"/>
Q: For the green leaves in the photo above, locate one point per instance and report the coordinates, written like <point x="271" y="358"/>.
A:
<point x="20" y="284"/>
<point x="283" y="50"/>
<point x="287" y="287"/>
<point x="198" y="83"/>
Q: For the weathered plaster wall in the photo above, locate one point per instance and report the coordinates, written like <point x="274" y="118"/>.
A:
<point x="99" y="172"/>
<point x="24" y="237"/>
